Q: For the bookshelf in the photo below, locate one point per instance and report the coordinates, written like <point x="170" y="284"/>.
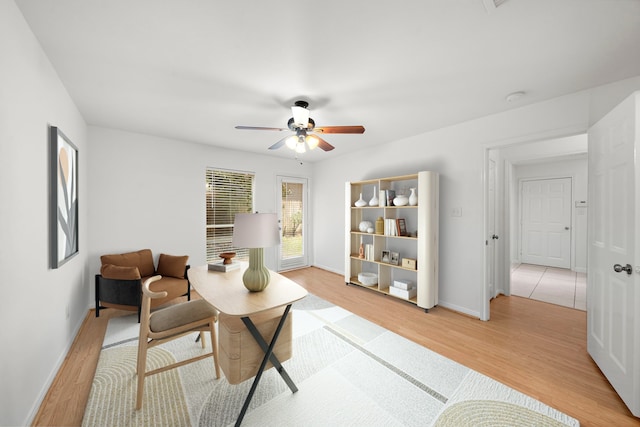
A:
<point x="404" y="255"/>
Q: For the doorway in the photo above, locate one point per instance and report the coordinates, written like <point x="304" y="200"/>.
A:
<point x="547" y="159"/>
<point x="293" y="213"/>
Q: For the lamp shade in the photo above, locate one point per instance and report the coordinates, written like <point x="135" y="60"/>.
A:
<point x="300" y="115"/>
<point x="312" y="141"/>
<point x="256" y="230"/>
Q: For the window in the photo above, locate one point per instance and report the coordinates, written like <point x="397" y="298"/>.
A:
<point x="227" y="193"/>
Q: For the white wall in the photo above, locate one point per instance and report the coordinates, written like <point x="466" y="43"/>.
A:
<point x="458" y="154"/>
<point x="36" y="333"/>
<point x="149" y="192"/>
<point x="577" y="170"/>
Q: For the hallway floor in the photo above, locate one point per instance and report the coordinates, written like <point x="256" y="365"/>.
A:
<point x="550" y="284"/>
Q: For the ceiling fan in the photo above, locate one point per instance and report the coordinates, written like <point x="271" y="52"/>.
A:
<point x="305" y="131"/>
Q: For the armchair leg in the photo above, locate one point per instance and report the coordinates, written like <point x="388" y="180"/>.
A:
<point x="140" y="370"/>
<point x="97" y="297"/>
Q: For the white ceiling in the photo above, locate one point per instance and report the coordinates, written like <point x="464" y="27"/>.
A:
<point x="192" y="70"/>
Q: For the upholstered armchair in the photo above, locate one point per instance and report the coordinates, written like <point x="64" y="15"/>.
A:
<point x="119" y="284"/>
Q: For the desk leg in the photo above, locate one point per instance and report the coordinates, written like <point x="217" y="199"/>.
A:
<point x="268" y="355"/>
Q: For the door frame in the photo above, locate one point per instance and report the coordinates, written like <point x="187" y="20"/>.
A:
<point x="492" y="220"/>
<point x="504" y="244"/>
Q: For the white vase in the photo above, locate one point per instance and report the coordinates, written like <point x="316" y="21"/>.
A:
<point x="413" y="197"/>
<point x="400" y="200"/>
<point x="364" y="226"/>
<point x="374" y="199"/>
<point x="360" y="202"/>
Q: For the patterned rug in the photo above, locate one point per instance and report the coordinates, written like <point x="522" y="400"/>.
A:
<point x="349" y="371"/>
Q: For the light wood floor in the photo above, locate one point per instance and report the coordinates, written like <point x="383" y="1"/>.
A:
<point x="531" y="346"/>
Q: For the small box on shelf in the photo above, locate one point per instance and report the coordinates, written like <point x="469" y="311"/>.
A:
<point x="403" y="284"/>
<point x="409" y="263"/>
<point x="403" y="293"/>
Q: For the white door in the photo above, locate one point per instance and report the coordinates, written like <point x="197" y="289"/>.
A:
<point x="546" y="222"/>
<point x="293" y="212"/>
<point x="613" y="303"/>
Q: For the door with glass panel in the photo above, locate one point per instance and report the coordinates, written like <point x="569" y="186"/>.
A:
<point x="292" y="206"/>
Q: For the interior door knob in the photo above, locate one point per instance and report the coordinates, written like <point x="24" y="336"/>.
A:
<point x="619" y="268"/>
<point x="494" y="237"/>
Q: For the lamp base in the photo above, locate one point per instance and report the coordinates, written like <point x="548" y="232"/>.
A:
<point x="256" y="278"/>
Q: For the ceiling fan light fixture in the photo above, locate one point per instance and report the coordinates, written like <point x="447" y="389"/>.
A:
<point x="292" y="141"/>
<point x="312" y="142"/>
<point x="302" y="125"/>
<point x="300" y="148"/>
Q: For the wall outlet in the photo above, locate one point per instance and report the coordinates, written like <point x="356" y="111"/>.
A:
<point x="456" y="212"/>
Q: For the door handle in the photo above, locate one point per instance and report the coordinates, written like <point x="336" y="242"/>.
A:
<point x="619" y="268"/>
<point x="494" y="237"/>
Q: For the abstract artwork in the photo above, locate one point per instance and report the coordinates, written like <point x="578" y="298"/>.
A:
<point x="63" y="221"/>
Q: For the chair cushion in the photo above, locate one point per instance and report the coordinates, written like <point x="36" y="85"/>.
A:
<point x="143" y="259"/>
<point x="172" y="266"/>
<point x="110" y="271"/>
<point x="180" y="314"/>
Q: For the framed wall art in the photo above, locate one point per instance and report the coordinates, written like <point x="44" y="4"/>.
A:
<point x="63" y="191"/>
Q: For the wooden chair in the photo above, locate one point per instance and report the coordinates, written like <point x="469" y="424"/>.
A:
<point x="169" y="323"/>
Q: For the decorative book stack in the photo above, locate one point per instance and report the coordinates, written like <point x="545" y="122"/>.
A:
<point x="219" y="266"/>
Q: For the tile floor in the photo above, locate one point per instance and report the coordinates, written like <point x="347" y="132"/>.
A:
<point x="550" y="284"/>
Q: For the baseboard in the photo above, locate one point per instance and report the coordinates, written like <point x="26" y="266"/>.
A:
<point x="332" y="270"/>
<point x="459" y="309"/>
<point x="35" y="409"/>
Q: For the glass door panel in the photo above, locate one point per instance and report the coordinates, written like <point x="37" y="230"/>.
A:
<point x="293" y="215"/>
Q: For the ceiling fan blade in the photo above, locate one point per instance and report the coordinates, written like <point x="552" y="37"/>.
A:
<point x="258" y="128"/>
<point x="279" y="143"/>
<point x="339" y="129"/>
<point x="324" y="144"/>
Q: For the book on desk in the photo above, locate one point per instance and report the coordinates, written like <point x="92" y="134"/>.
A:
<point x="219" y="266"/>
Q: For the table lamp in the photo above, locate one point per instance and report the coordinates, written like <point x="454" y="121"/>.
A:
<point x="256" y="231"/>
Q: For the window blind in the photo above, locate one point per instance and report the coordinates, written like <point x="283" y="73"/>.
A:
<point x="227" y="193"/>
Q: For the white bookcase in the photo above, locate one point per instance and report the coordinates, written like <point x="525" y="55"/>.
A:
<point x="420" y="243"/>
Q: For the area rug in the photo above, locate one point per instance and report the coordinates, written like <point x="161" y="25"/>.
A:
<point x="349" y="372"/>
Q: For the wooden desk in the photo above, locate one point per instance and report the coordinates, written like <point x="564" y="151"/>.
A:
<point x="226" y="292"/>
